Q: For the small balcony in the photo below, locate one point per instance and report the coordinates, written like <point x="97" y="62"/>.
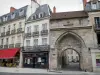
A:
<point x="5" y="46"/>
<point x="11" y="46"/>
<point x="19" y="30"/>
<point x="36" y="34"/>
<point x="3" y="34"/>
<point x="13" y="32"/>
<point x="44" y="32"/>
<point x="18" y="45"/>
<point x="37" y="48"/>
<point x="7" y="33"/>
<point x="1" y="46"/>
<point x="27" y="35"/>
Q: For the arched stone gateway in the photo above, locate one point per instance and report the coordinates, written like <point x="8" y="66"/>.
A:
<point x="70" y="40"/>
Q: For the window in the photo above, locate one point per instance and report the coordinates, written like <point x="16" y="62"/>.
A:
<point x="7" y="41"/>
<point x="27" y="42"/>
<point x="6" y="18"/>
<point x="97" y="21"/>
<point x="9" y="28"/>
<point x="20" y="24"/>
<point x="21" y="12"/>
<point x="33" y="17"/>
<point x="36" y="16"/>
<point x="14" y="26"/>
<point x="19" y="39"/>
<point x="98" y="38"/>
<point x="94" y="6"/>
<point x="41" y="15"/>
<point x="35" y="41"/>
<point x="44" y="41"/>
<point x="13" y="39"/>
<point x="29" y="29"/>
<point x="2" y="41"/>
<point x="13" y="15"/>
<point x="0" y="20"/>
<point x="3" y="29"/>
<point x="44" y="26"/>
<point x="36" y="28"/>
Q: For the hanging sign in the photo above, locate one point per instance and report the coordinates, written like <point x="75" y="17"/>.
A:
<point x="97" y="55"/>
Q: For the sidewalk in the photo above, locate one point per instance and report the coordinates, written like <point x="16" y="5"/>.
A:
<point x="42" y="71"/>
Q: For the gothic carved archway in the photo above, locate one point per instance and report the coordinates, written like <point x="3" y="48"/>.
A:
<point x="69" y="40"/>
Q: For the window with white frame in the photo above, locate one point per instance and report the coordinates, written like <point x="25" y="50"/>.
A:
<point x="94" y="6"/>
<point x="41" y="15"/>
<point x="13" y="39"/>
<point x="27" y="42"/>
<point x="29" y="29"/>
<point x="44" y="41"/>
<point x="4" y="19"/>
<point x="35" y="41"/>
<point x="36" y="28"/>
<point x="21" y="12"/>
<point x="13" y="16"/>
<point x="19" y="39"/>
<point x="44" y="26"/>
<point x="7" y="41"/>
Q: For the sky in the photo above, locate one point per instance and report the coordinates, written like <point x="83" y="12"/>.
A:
<point x="61" y="5"/>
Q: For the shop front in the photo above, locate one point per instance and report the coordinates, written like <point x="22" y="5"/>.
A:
<point x="9" y="57"/>
<point x="95" y="60"/>
<point x="36" y="56"/>
<point x="36" y="59"/>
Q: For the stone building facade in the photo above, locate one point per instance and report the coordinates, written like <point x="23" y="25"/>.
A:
<point x="77" y="30"/>
<point x="71" y="32"/>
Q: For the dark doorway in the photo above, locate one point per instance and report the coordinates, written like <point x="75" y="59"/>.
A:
<point x="70" y="60"/>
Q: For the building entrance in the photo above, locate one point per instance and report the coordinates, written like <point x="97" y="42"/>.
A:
<point x="36" y="60"/>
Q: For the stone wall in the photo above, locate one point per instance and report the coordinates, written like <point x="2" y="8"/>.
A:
<point x="84" y="33"/>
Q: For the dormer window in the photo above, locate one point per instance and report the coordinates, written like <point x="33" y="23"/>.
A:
<point x="33" y="17"/>
<point x="41" y="15"/>
<point x="0" y="20"/>
<point x="6" y="18"/>
<point x="36" y="16"/>
<point x="13" y="16"/>
<point x="94" y="6"/>
<point x="21" y="12"/>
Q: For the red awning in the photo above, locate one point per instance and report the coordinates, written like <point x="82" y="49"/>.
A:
<point x="8" y="53"/>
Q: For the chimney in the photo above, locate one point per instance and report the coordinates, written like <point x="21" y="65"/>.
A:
<point x="84" y="3"/>
<point x="12" y="9"/>
<point x="54" y="9"/>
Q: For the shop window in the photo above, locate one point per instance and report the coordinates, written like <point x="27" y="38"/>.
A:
<point x="97" y="59"/>
<point x="97" y="62"/>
